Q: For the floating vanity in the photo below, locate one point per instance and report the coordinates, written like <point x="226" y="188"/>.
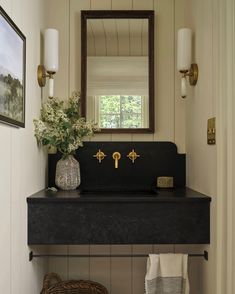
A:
<point x="121" y="205"/>
<point x="179" y="216"/>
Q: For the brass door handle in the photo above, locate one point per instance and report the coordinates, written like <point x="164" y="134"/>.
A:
<point x="133" y="155"/>
<point x="116" y="157"/>
<point x="100" y="155"/>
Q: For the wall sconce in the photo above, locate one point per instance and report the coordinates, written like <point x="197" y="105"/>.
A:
<point x="51" y="60"/>
<point x="184" y="66"/>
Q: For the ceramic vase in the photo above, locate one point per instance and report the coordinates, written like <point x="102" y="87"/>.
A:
<point x="67" y="173"/>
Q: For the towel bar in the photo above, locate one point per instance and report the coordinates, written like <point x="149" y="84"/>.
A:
<point x="32" y="255"/>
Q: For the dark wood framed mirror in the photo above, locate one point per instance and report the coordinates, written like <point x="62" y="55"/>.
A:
<point x="117" y="70"/>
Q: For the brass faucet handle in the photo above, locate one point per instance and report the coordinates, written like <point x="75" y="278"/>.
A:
<point x="116" y="157"/>
<point x="133" y="155"/>
<point x="100" y="155"/>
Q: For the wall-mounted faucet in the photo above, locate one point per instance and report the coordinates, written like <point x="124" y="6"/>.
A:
<point x="116" y="157"/>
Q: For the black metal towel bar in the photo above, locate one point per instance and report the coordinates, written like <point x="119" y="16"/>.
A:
<point x="32" y="255"/>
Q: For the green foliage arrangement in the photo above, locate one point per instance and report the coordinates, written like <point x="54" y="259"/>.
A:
<point x="61" y="126"/>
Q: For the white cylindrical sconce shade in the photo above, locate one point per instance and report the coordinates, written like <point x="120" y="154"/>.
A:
<point x="51" y="50"/>
<point x="183" y="87"/>
<point x="51" y="88"/>
<point x="184" y="49"/>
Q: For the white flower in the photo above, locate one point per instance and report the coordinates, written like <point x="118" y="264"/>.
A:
<point x="61" y="125"/>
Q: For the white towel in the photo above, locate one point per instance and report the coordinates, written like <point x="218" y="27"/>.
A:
<point x="167" y="274"/>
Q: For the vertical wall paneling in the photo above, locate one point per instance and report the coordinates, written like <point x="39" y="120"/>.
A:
<point x="179" y="102"/>
<point x="122" y="4"/>
<point x="59" y="265"/>
<point x="195" y="266"/>
<point x="199" y="103"/>
<point x="7" y="5"/>
<point x="100" y="268"/>
<point x="75" y="43"/>
<point x="5" y="208"/>
<point x="100" y="5"/>
<point x="22" y="169"/>
<point x="75" y="47"/>
<point x="164" y="70"/>
<point x="121" y="270"/>
<point x="204" y="17"/>
<point x="58" y="17"/>
<point x="123" y="50"/>
<point x="145" y="5"/>
<point x="16" y="203"/>
<point x="139" y="267"/>
<point x="79" y="268"/>
<point x="112" y="42"/>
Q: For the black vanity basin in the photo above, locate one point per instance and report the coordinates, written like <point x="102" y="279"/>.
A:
<point x="118" y="193"/>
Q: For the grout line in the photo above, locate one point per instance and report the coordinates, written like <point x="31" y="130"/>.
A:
<point x="142" y="27"/>
<point x="105" y="36"/>
<point x="129" y="28"/>
<point x="117" y="37"/>
<point x="93" y="37"/>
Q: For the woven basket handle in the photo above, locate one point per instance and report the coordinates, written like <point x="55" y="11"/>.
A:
<point x="48" y="279"/>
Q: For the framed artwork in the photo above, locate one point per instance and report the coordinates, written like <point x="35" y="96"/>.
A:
<point x="12" y="72"/>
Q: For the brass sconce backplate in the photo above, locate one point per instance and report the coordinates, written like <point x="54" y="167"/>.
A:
<point x="193" y="74"/>
<point x="41" y="76"/>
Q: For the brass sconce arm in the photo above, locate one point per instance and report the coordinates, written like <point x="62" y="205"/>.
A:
<point x="192" y="73"/>
<point x="43" y="74"/>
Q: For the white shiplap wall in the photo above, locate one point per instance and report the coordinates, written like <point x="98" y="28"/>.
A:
<point x="124" y="275"/>
<point x="22" y="165"/>
<point x="201" y="167"/>
<point x="169" y="108"/>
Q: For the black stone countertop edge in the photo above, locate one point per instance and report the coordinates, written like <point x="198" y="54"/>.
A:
<point x="162" y="195"/>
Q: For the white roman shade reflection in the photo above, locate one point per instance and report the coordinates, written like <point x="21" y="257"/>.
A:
<point x="117" y="75"/>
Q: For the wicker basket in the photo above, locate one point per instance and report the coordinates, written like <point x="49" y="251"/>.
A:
<point x="53" y="284"/>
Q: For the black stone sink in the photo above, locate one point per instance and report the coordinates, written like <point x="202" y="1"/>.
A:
<point x="118" y="193"/>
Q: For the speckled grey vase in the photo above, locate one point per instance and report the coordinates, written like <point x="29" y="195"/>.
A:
<point x="67" y="175"/>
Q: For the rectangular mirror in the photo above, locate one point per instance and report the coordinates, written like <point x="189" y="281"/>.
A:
<point x="117" y="74"/>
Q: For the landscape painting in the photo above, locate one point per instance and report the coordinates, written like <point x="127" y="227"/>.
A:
<point x="12" y="72"/>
